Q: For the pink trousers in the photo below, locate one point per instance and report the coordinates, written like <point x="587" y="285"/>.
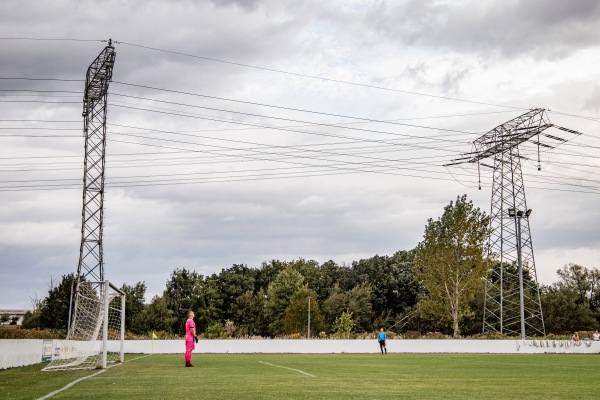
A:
<point x="189" y="346"/>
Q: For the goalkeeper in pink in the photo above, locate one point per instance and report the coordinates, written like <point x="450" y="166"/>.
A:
<point x="190" y="338"/>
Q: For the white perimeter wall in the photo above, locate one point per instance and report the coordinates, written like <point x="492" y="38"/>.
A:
<point x="19" y="352"/>
<point x="361" y="346"/>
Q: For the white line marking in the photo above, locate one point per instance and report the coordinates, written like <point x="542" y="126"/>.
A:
<point x="86" y="377"/>
<point x="292" y="369"/>
<point x="70" y="384"/>
<point x="137" y="358"/>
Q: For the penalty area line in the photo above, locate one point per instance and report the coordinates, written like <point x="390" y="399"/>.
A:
<point x="291" y="369"/>
<point x="84" y="378"/>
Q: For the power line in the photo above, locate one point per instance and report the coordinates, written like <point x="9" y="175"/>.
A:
<point x="271" y="127"/>
<point x="288" y="108"/>
<point x="374" y="171"/>
<point x="308" y="122"/>
<point x="282" y="72"/>
<point x="236" y="179"/>
<point x="41" y="79"/>
<point x="40" y="101"/>
<point x="291" y="147"/>
<point x="317" y="77"/>
<point x="264" y="126"/>
<point x="195" y="181"/>
<point x="594" y="119"/>
<point x="38" y="120"/>
<point x="52" y="39"/>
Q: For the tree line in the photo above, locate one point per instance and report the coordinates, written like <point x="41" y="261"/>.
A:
<point x="436" y="287"/>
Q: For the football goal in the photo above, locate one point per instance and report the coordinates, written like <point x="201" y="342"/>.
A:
<point x="97" y="333"/>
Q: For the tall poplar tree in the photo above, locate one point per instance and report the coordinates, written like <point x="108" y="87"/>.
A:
<point x="451" y="261"/>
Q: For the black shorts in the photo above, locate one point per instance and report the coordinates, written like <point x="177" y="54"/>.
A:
<point x="382" y="342"/>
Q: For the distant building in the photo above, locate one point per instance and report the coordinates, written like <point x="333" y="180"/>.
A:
<point x="11" y="314"/>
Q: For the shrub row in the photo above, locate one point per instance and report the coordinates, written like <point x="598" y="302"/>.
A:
<point x="16" y="332"/>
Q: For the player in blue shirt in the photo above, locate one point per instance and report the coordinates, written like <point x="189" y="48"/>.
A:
<point x="381" y="338"/>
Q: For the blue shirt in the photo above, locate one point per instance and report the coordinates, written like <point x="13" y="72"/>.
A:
<point x="381" y="336"/>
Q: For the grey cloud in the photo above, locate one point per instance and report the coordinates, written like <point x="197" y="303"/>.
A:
<point x="593" y="102"/>
<point x="452" y="79"/>
<point x="151" y="230"/>
<point x="210" y="232"/>
<point x="232" y="35"/>
<point x="27" y="270"/>
<point x="448" y="83"/>
<point x="539" y="28"/>
<point x="248" y="5"/>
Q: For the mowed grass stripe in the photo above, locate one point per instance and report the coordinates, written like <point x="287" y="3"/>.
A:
<point x="343" y="376"/>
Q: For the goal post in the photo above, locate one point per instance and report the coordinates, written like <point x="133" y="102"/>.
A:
<point x="97" y="335"/>
<point x="113" y="324"/>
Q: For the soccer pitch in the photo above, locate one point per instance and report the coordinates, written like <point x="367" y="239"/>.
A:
<point x="332" y="376"/>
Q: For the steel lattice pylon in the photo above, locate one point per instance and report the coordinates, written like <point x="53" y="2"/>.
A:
<point x="502" y="292"/>
<point x="98" y="77"/>
<point x="502" y="307"/>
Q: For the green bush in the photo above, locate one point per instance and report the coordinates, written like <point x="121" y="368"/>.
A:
<point x="216" y="331"/>
<point x="16" y="332"/>
<point x="435" y="335"/>
<point x="412" y="335"/>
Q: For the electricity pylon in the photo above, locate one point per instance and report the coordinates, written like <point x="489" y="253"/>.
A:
<point x="99" y="75"/>
<point x="503" y="310"/>
<point x="91" y="262"/>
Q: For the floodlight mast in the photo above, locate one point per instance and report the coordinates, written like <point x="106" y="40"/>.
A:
<point x="98" y="77"/>
<point x="518" y="215"/>
<point x="502" y="308"/>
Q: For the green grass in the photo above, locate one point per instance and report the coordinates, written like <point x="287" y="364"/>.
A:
<point x="337" y="376"/>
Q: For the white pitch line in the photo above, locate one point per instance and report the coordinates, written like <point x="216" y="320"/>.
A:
<point x="70" y="384"/>
<point x="85" y="377"/>
<point x="137" y="358"/>
<point x="292" y="369"/>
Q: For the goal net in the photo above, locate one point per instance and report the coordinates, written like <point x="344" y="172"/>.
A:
<point x="96" y="336"/>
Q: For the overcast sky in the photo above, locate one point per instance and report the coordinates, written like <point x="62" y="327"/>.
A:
<point x="245" y="131"/>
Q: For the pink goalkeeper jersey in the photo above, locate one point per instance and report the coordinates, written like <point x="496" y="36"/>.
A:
<point x="188" y="325"/>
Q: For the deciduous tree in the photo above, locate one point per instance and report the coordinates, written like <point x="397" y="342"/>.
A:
<point x="207" y="303"/>
<point x="343" y="325"/>
<point x="563" y="311"/>
<point x="357" y="301"/>
<point x="578" y="278"/>
<point x="181" y="295"/>
<point x="134" y="304"/>
<point x="451" y="260"/>
<point x="279" y="295"/>
<point x="156" y="316"/>
<point x="54" y="311"/>
<point x="394" y="289"/>
<point x="296" y="314"/>
<point x="249" y="313"/>
<point x="232" y="283"/>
